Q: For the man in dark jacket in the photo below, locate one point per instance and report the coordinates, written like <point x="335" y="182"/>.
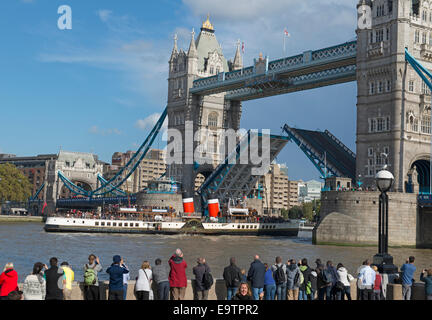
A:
<point x="256" y="276"/>
<point x="331" y="288"/>
<point x="232" y="276"/>
<point x="201" y="291"/>
<point x="55" y="281"/>
<point x="116" y="273"/>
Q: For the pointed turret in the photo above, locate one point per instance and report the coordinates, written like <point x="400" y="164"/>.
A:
<point x="174" y="51"/>
<point x="192" y="55"/>
<point x="192" y="52"/>
<point x="237" y="63"/>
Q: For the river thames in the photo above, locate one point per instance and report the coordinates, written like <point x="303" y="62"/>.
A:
<point x="27" y="243"/>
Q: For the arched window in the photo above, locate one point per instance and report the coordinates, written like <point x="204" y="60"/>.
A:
<point x="212" y="119"/>
<point x="412" y="123"/>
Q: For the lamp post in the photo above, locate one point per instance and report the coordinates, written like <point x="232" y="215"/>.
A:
<point x="383" y="260"/>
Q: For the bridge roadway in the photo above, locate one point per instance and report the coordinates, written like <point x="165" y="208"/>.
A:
<point x="312" y="69"/>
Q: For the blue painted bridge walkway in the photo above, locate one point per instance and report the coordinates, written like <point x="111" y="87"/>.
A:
<point x="312" y="69"/>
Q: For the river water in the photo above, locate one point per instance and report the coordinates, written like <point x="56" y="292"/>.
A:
<point x="27" y="243"/>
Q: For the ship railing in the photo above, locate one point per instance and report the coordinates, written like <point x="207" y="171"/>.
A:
<point x="113" y="217"/>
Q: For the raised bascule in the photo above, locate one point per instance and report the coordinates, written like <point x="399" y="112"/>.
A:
<point x="389" y="61"/>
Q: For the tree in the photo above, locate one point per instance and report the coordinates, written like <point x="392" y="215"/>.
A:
<point x="308" y="210"/>
<point x="14" y="186"/>
<point x="295" y="212"/>
<point x="285" y="213"/>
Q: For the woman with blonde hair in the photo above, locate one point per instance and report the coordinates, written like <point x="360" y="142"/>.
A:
<point x="377" y="285"/>
<point x="144" y="281"/>
<point x="244" y="292"/>
<point x="8" y="281"/>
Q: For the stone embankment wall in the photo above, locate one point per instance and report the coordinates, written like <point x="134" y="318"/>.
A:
<point x="348" y="217"/>
<point x="12" y="218"/>
<point x="218" y="291"/>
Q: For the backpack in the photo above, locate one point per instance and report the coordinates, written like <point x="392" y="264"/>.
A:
<point x="327" y="276"/>
<point x="89" y="276"/>
<point x="207" y="280"/>
<point x="298" y="279"/>
<point x="279" y="275"/>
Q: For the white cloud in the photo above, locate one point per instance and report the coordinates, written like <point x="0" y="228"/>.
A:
<point x="140" y="61"/>
<point x="104" y="132"/>
<point x="104" y="14"/>
<point x="313" y="24"/>
<point x="149" y="122"/>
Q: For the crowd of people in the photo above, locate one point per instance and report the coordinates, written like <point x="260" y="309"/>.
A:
<point x="278" y="281"/>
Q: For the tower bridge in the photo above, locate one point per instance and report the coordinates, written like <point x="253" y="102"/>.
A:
<point x="393" y="102"/>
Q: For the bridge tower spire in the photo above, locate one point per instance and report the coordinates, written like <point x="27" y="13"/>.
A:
<point x="237" y="63"/>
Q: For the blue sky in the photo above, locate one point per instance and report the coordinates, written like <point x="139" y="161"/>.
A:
<point x="96" y="88"/>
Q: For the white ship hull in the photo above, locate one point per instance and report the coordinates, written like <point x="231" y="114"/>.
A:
<point x="61" y="224"/>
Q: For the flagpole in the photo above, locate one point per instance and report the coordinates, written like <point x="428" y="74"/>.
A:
<point x="284" y="50"/>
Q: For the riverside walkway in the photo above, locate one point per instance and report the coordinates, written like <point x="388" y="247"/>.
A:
<point x="218" y="290"/>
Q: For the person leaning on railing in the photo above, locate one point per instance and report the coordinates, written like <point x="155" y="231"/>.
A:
<point x="426" y="277"/>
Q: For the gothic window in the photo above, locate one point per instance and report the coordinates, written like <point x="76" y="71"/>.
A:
<point x="412" y="123"/>
<point x="378" y="160"/>
<point x="371" y="37"/>
<point x="387" y="123"/>
<point x="372" y="125"/>
<point x="426" y="124"/>
<point x="430" y="36"/>
<point x="388" y="86"/>
<point x="212" y="119"/>
<point x="380" y="11"/>
<point x="211" y="70"/>
<point x="411" y="86"/>
<point x="212" y="144"/>
<point x="388" y="34"/>
<point x="424" y="15"/>
<point x="425" y="89"/>
<point x="415" y="9"/>
<point x="217" y="70"/>
<point x="370" y="152"/>
<point x="390" y="6"/>
<point x="380" y="87"/>
<point x="379" y="35"/>
<point x="371" y="88"/>
<point x="417" y="36"/>
<point x="424" y="37"/>
<point x="381" y="124"/>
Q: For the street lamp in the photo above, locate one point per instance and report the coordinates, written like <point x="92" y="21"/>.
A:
<point x="384" y="261"/>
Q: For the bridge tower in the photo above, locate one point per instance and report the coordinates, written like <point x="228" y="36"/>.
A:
<point x="204" y="58"/>
<point x="393" y="105"/>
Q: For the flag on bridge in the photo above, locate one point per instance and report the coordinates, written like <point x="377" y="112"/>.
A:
<point x="286" y="35"/>
<point x="243" y="47"/>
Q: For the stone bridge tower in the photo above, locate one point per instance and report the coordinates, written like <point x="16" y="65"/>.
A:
<point x="212" y="113"/>
<point x="393" y="106"/>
